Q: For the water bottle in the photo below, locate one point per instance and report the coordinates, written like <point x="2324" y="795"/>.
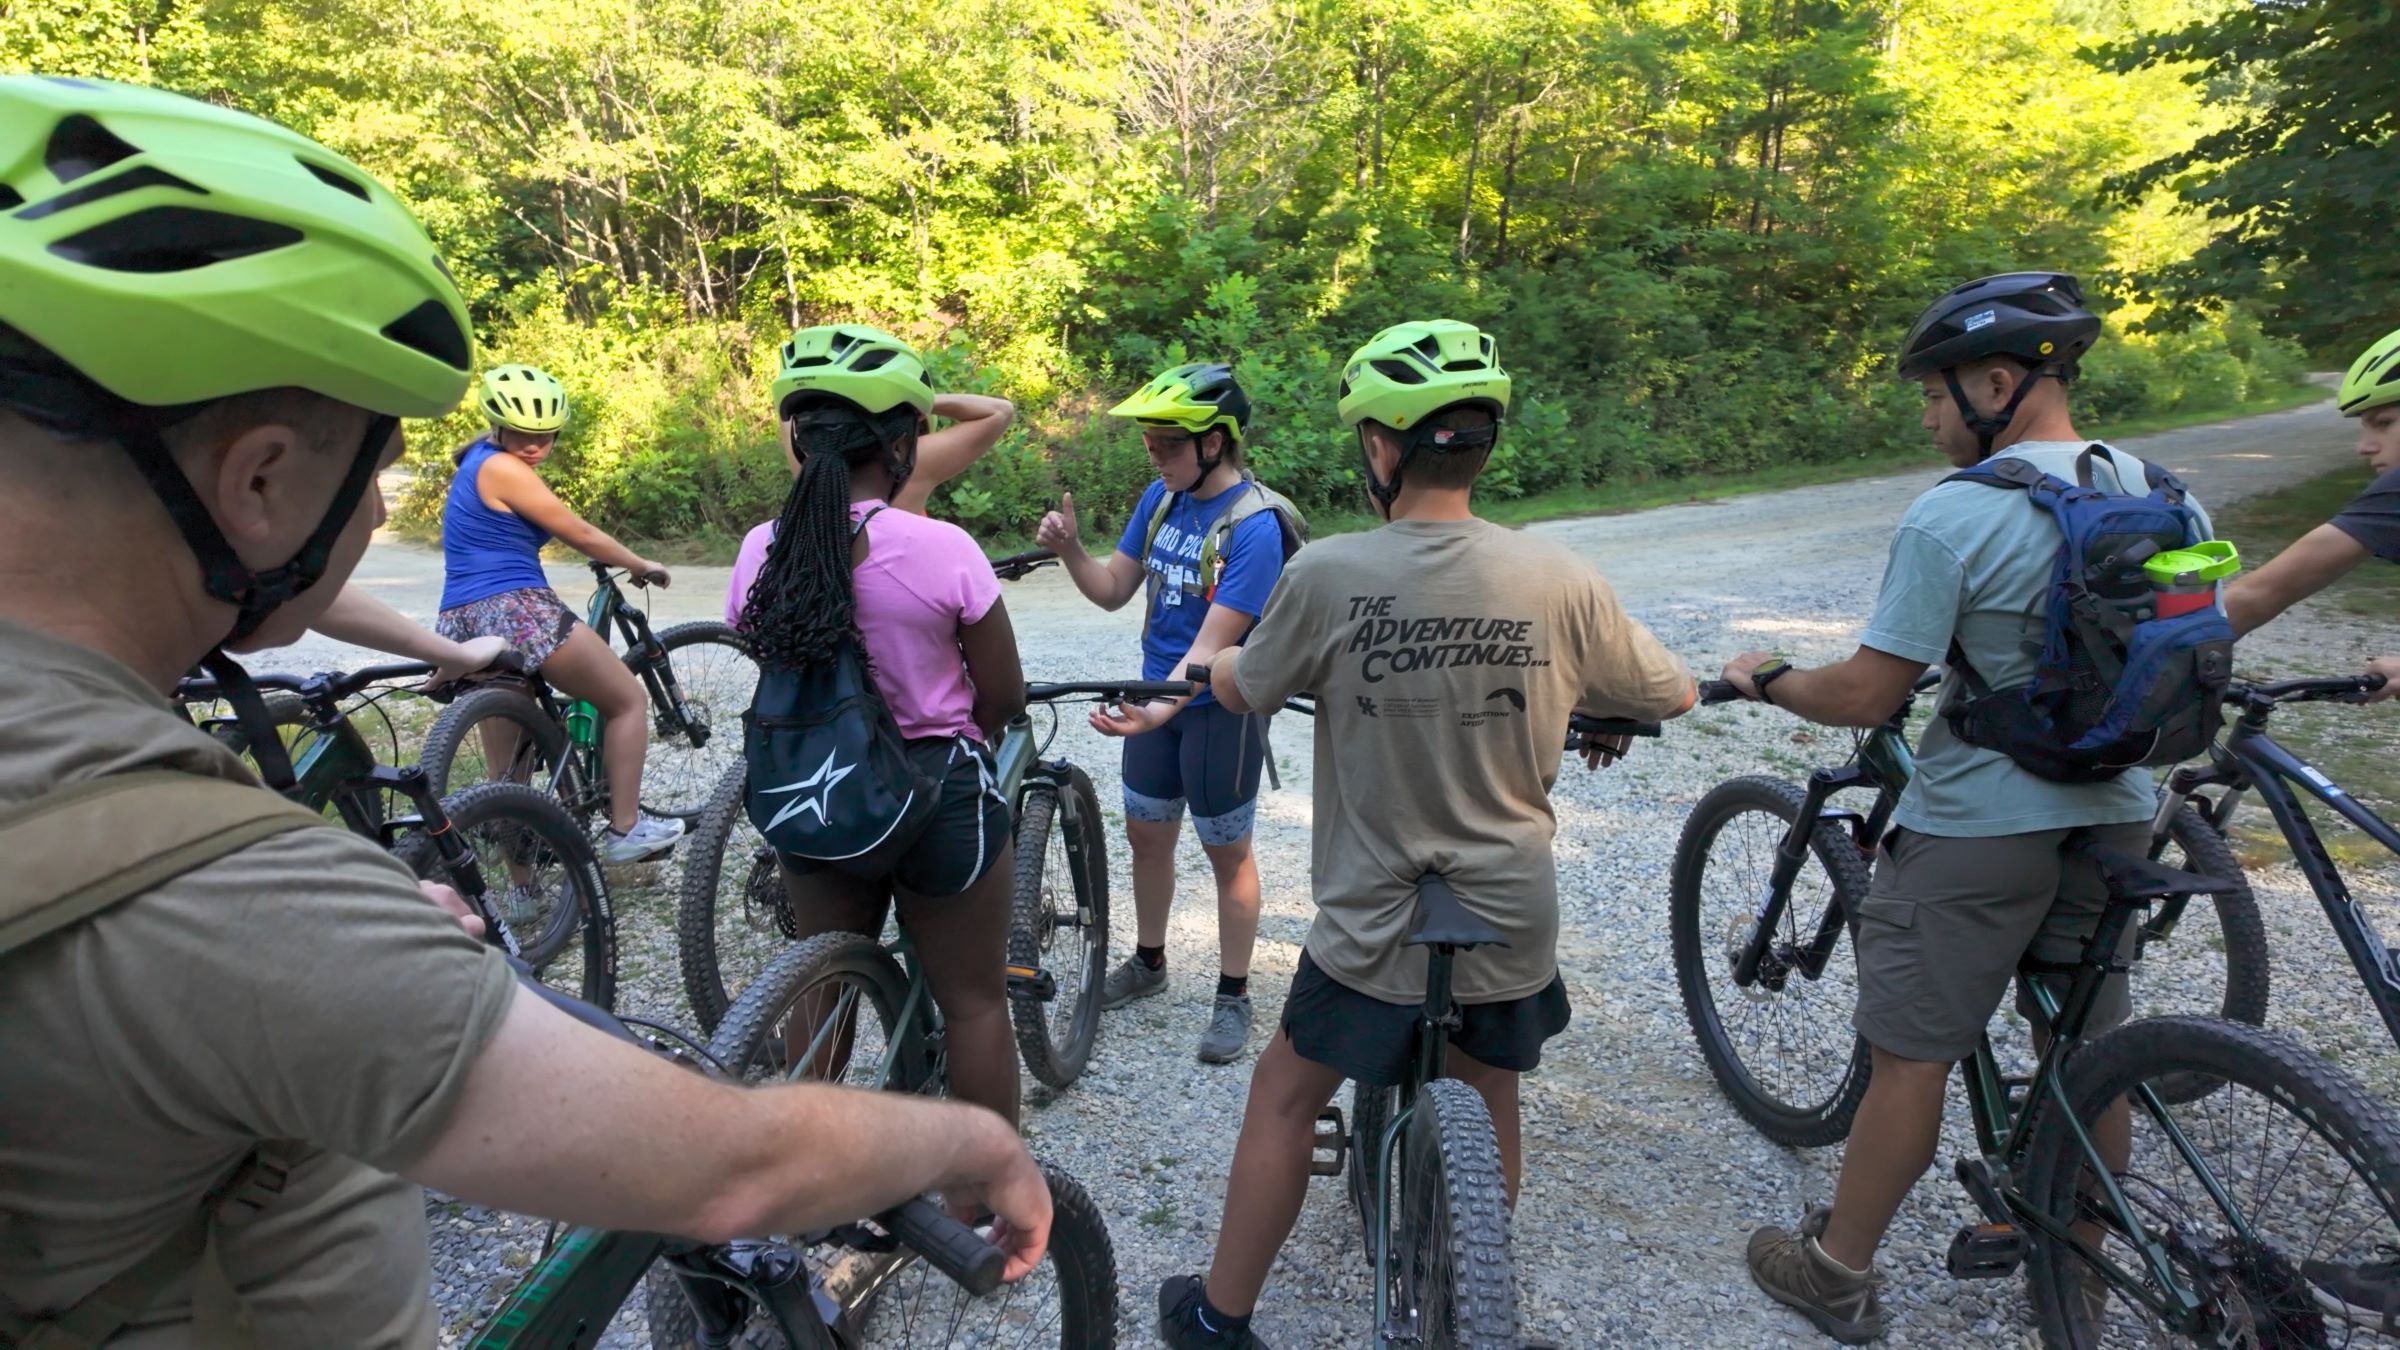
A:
<point x="583" y="723"/>
<point x="2185" y="580"/>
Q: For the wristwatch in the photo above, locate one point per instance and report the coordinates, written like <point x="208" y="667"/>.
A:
<point x="1769" y="671"/>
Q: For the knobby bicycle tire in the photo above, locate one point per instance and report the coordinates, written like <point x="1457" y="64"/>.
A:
<point x="1807" y="1124"/>
<point x="1455" y="1267"/>
<point x="706" y="871"/>
<point x="540" y="824"/>
<point x="1053" y="1060"/>
<point x="679" y="778"/>
<point x="742" y="1037"/>
<point x="534" y="727"/>
<point x="1371" y="1110"/>
<point x="2332" y="1105"/>
<point x="2243" y="932"/>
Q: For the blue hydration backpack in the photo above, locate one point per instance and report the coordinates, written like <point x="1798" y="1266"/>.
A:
<point x="2116" y="687"/>
<point x="829" y="776"/>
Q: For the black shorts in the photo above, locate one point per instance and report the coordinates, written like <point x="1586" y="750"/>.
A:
<point x="1373" y="1042"/>
<point x="967" y="830"/>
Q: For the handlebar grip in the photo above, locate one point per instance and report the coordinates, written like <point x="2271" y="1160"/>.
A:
<point x="953" y="1248"/>
<point x="1720" y="691"/>
<point x="1580" y="727"/>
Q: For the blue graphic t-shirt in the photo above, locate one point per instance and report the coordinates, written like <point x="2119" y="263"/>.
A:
<point x="1252" y="559"/>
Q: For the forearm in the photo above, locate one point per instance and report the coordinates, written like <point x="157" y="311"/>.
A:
<point x="601" y="547"/>
<point x="1222" y="682"/>
<point x="2256" y="600"/>
<point x="1830" y="697"/>
<point x="359" y="618"/>
<point x="1095" y="579"/>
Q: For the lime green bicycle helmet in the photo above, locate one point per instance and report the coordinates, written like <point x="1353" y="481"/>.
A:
<point x="1197" y="397"/>
<point x="523" y="398"/>
<point x="2374" y="379"/>
<point x="855" y="363"/>
<point x="159" y="253"/>
<point x="1410" y="372"/>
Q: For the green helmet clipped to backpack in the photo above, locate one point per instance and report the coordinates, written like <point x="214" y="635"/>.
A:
<point x="855" y="363"/>
<point x="523" y="398"/>
<point x="158" y="253"/>
<point x="1410" y="371"/>
<point x="2374" y="379"/>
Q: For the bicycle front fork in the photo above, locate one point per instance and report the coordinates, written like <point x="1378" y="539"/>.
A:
<point x="459" y="862"/>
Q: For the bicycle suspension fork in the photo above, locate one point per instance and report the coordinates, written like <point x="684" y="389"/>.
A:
<point x="459" y="862"/>
<point x="1790" y="855"/>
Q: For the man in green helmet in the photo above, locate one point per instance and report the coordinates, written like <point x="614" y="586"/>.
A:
<point x="1446" y="654"/>
<point x="2368" y="527"/>
<point x="1203" y="547"/>
<point x="221" y="1062"/>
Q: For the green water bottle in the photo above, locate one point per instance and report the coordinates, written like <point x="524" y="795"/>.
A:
<point x="583" y="723"/>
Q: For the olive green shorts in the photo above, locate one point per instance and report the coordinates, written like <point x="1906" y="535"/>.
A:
<point x="1946" y="921"/>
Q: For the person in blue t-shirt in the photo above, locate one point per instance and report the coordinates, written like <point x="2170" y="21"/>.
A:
<point x="1204" y="587"/>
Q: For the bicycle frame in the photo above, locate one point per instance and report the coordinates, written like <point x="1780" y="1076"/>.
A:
<point x="2251" y="760"/>
<point x="1884" y="763"/>
<point x="644" y="657"/>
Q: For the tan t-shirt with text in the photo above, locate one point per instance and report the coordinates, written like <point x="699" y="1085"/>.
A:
<point x="1446" y="657"/>
<point x="301" y="989"/>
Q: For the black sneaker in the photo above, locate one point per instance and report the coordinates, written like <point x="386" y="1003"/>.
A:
<point x="1183" y="1327"/>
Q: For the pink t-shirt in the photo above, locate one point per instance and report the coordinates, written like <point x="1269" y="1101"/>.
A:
<point x="922" y="581"/>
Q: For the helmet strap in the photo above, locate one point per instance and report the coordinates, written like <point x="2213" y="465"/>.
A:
<point x="1987" y="429"/>
<point x="1206" y="465"/>
<point x="266" y="748"/>
<point x="1384" y="493"/>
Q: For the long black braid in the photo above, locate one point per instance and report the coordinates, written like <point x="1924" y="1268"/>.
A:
<point x="802" y="604"/>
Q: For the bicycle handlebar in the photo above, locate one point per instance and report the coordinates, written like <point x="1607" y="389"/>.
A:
<point x="330" y="684"/>
<point x="1120" y="691"/>
<point x="1015" y="566"/>
<point x="1722" y="691"/>
<point x="2337" y="689"/>
<point x="1580" y="726"/>
<point x="602" y="572"/>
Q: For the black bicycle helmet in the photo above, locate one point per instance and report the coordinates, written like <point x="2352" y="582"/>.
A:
<point x="2034" y="317"/>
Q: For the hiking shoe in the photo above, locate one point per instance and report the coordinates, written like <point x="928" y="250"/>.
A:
<point x="1228" y="1030"/>
<point x="1183" y="1326"/>
<point x="1129" y="981"/>
<point x="649" y="838"/>
<point x="2366" y="1294"/>
<point x="1797" y="1273"/>
<point x="524" y="904"/>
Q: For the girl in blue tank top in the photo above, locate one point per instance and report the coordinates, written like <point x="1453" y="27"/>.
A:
<point x="496" y="518"/>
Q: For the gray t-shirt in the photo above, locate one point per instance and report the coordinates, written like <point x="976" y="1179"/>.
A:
<point x="301" y="990"/>
<point x="1974" y="562"/>
<point x="2373" y="518"/>
<point x="1446" y="657"/>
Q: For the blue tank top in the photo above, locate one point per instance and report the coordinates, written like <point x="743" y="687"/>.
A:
<point x="485" y="552"/>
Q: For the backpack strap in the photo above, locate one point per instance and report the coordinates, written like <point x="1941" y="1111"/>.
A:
<point x="83" y="849"/>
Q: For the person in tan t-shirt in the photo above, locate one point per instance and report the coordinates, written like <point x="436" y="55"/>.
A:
<point x="188" y="467"/>
<point x="1446" y="654"/>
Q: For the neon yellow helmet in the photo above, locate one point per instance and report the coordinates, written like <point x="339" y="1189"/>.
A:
<point x="1195" y="397"/>
<point x="2374" y="379"/>
<point x="1410" y="371"/>
<point x="523" y="398"/>
<point x="853" y="362"/>
<point x="175" y="252"/>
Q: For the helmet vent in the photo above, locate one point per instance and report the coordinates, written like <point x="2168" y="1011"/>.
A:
<point x="172" y="239"/>
<point x="874" y="360"/>
<point x="132" y="180"/>
<point x="79" y="145"/>
<point x="1399" y="372"/>
<point x="340" y="182"/>
<point x="430" y="328"/>
<point x="805" y="362"/>
<point x="10" y="198"/>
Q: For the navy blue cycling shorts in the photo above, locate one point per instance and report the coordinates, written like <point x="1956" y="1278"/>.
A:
<point x="1207" y="755"/>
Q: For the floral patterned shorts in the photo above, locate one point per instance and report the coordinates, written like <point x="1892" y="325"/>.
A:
<point x="533" y="621"/>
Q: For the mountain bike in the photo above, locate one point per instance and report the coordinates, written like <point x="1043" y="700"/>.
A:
<point x="699" y="677"/>
<point x="1423" y="1161"/>
<point x="2248" y="760"/>
<point x="2248" y="1215"/>
<point x="914" y="1277"/>
<point x="552" y="913"/>
<point x="734" y="915"/>
<point x="1766" y="877"/>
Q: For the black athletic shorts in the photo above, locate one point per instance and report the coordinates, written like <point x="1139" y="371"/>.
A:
<point x="1373" y="1042"/>
<point x="965" y="834"/>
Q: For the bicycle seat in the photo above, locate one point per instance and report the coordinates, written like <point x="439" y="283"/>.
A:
<point x="2132" y="878"/>
<point x="1444" y="922"/>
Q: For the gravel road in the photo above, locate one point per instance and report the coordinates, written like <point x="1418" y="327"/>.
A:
<point x="1641" y="1183"/>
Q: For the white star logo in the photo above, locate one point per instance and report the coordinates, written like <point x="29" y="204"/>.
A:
<point x="823" y="780"/>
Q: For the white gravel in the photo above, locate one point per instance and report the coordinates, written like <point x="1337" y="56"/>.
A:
<point x="1641" y="1183"/>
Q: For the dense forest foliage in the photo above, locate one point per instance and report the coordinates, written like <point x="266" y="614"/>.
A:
<point x="1698" y="228"/>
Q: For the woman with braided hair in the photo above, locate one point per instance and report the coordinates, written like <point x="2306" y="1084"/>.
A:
<point x="921" y="598"/>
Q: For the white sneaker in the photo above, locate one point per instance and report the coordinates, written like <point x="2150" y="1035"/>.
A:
<point x="649" y="838"/>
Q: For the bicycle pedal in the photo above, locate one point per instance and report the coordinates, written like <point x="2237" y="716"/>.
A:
<point x="1986" y="1251"/>
<point x="1329" y="1149"/>
<point x="1032" y="984"/>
